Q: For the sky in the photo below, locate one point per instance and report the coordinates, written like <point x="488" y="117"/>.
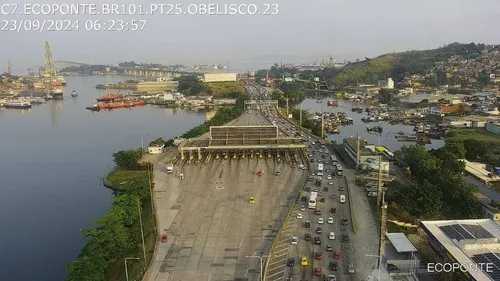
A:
<point x="301" y="31"/>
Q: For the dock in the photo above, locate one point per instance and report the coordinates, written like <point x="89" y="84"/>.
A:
<point x="478" y="171"/>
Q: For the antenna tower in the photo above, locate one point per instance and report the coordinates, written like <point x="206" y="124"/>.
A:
<point x="50" y="67"/>
<point x="9" y="70"/>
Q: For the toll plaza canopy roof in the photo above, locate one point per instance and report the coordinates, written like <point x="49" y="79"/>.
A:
<point x="401" y="243"/>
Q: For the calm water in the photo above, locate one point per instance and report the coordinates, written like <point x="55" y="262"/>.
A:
<point x="387" y="138"/>
<point x="52" y="158"/>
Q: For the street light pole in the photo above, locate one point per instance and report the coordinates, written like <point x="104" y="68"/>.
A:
<point x="126" y="269"/>
<point x="300" y="121"/>
<point x="142" y="231"/>
<point x="261" y="257"/>
<point x="286" y="108"/>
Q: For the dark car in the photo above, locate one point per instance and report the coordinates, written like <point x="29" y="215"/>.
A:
<point x="307" y="188"/>
<point x="318" y="230"/>
<point x="341" y="188"/>
<point x="333" y="210"/>
<point x="312" y="160"/>
<point x="329" y="248"/>
<point x="317" y="271"/>
<point x="307" y="224"/>
<point x="333" y="196"/>
<point x="290" y="262"/>
<point x="307" y="237"/>
<point x="318" y="212"/>
<point x="318" y="256"/>
<point x="344" y="221"/>
<point x="322" y="199"/>
<point x="333" y="266"/>
<point x="325" y="189"/>
<point x="345" y="238"/>
<point x="304" y="198"/>
<point x="317" y="240"/>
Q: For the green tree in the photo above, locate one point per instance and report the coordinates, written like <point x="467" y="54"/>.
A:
<point x="456" y="148"/>
<point x="475" y="149"/>
<point x="128" y="159"/>
<point x="88" y="268"/>
<point x="387" y="96"/>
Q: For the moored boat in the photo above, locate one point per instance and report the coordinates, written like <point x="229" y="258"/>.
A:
<point x="94" y="107"/>
<point x="332" y="103"/>
<point x="109" y="97"/>
<point x="74" y="94"/>
<point x="18" y="104"/>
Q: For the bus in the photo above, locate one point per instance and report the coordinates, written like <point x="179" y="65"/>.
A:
<point x="388" y="154"/>
<point x="320" y="169"/>
<point x="312" y="200"/>
<point x="334" y="159"/>
<point x="340" y="171"/>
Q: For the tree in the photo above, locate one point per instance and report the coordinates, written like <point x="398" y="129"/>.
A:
<point x="456" y="148"/>
<point x="89" y="268"/>
<point x="387" y="96"/>
<point x="128" y="159"/>
<point x="475" y="149"/>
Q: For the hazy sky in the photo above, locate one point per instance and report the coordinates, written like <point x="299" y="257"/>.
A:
<point x="303" y="30"/>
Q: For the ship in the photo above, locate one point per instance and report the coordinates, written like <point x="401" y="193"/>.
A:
<point x="100" y="86"/>
<point x="377" y="129"/>
<point x="115" y="105"/>
<point x="62" y="80"/>
<point x="94" y="107"/>
<point x="332" y="103"/>
<point x="18" y="104"/>
<point x="109" y="97"/>
<point x="74" y="94"/>
<point x="36" y="100"/>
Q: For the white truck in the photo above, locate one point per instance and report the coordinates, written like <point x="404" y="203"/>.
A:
<point x="170" y="168"/>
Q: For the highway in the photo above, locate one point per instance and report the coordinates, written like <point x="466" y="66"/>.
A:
<point x="211" y="226"/>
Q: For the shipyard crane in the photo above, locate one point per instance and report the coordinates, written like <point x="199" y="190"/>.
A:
<point x="50" y="67"/>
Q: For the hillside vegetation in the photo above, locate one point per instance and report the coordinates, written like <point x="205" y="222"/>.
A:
<point x="226" y="89"/>
<point x="192" y="86"/>
<point x="397" y="65"/>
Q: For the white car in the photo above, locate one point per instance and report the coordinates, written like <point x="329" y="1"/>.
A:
<point x="329" y="177"/>
<point x="330" y="220"/>
<point x="331" y="236"/>
<point x="302" y="208"/>
<point x="299" y="215"/>
<point x="320" y="220"/>
<point x="295" y="240"/>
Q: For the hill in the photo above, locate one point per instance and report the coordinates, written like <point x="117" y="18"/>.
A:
<point x="397" y="65"/>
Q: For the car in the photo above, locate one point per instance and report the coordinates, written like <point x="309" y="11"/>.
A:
<point x="331" y="235"/>
<point x="277" y="173"/>
<point x="345" y="221"/>
<point x="310" y="179"/>
<point x="303" y="261"/>
<point x="320" y="193"/>
<point x="318" y="256"/>
<point x="331" y="278"/>
<point x="295" y="240"/>
<point x="293" y="166"/>
<point x="330" y="220"/>
<point x="330" y="183"/>
<point x="164" y="238"/>
<point x="320" y="220"/>
<point x="318" y="212"/>
<point x="302" y="208"/>
<point x="312" y="160"/>
<point x="329" y="248"/>
<point x="326" y="189"/>
<point x="345" y="238"/>
<point x="329" y="177"/>
<point x="341" y="188"/>
<point x="322" y="199"/>
<point x="350" y="268"/>
<point x="316" y="189"/>
<point x="290" y="262"/>
<point x="304" y="198"/>
<point x="333" y="196"/>
<point x="336" y="255"/>
<point x="317" y="241"/>
<point x="333" y="210"/>
<point x="317" y="271"/>
<point x="307" y="224"/>
<point x="299" y="215"/>
<point x="318" y="230"/>
<point x="313" y="174"/>
<point x="307" y="188"/>
<point x="307" y="237"/>
<point x="333" y="266"/>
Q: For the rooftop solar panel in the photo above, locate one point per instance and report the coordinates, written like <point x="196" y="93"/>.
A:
<point x="490" y="258"/>
<point x="478" y="231"/>
<point x="455" y="231"/>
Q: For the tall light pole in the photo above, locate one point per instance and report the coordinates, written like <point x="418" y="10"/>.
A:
<point x="142" y="231"/>
<point x="300" y="118"/>
<point x="286" y="108"/>
<point x="380" y="262"/>
<point x="126" y="269"/>
<point x="153" y="208"/>
<point x="260" y="257"/>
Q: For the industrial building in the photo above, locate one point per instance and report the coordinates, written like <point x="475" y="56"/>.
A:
<point x="400" y="256"/>
<point x="368" y="155"/>
<point x="493" y="127"/>
<point x="466" y="242"/>
<point x="219" y="77"/>
<point x="156" y="87"/>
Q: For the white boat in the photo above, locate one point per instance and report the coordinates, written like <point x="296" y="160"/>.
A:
<point x="18" y="104"/>
<point x="36" y="100"/>
<point x="62" y="80"/>
<point x="74" y="94"/>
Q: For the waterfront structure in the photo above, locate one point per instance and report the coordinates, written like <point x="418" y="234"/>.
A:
<point x="157" y="86"/>
<point x="466" y="242"/>
<point x="493" y="127"/>
<point x="219" y="77"/>
<point x="368" y="155"/>
<point x="388" y="84"/>
<point x="156" y="149"/>
<point x="473" y="121"/>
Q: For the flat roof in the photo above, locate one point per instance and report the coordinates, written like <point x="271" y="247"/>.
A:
<point x="469" y="242"/>
<point x="401" y="242"/>
<point x="352" y="142"/>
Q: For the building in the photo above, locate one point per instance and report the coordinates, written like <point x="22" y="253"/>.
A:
<point x="368" y="158"/>
<point x="156" y="149"/>
<point x="466" y="242"/>
<point x="219" y="77"/>
<point x="441" y="111"/>
<point x="472" y="121"/>
<point x="400" y="256"/>
<point x="490" y="208"/>
<point x="155" y="87"/>
<point x="493" y="127"/>
<point x="388" y="84"/>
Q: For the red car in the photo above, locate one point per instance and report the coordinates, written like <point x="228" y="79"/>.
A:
<point x="164" y="238"/>
<point x="293" y="166"/>
<point x="317" y="271"/>
<point x="336" y="255"/>
<point x="318" y="256"/>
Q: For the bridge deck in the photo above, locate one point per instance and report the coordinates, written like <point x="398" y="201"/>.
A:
<point x="242" y="144"/>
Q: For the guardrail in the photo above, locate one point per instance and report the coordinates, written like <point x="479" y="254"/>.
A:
<point x="351" y="209"/>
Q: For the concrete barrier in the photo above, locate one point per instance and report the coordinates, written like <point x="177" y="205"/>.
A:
<point x="351" y="208"/>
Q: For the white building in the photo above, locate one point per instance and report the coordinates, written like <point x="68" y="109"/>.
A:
<point x="219" y="77"/>
<point x="388" y="84"/>
<point x="155" y="149"/>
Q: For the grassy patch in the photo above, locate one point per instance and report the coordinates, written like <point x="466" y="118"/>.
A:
<point x="479" y="134"/>
<point x="125" y="180"/>
<point x="226" y="89"/>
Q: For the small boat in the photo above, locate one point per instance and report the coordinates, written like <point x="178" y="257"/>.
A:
<point x="100" y="86"/>
<point x="332" y="103"/>
<point x="74" y="94"/>
<point x="94" y="107"/>
<point x="37" y="101"/>
<point x="18" y="104"/>
<point x="377" y="129"/>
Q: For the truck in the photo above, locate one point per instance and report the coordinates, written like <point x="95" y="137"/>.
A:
<point x="170" y="168"/>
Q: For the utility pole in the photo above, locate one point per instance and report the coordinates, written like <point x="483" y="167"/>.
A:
<point x="322" y="121"/>
<point x="126" y="268"/>
<point x="142" y="232"/>
<point x="357" y="152"/>
<point x="261" y="260"/>
<point x="287" y="108"/>
<point x="300" y="118"/>
<point x="383" y="219"/>
<point x="380" y="183"/>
